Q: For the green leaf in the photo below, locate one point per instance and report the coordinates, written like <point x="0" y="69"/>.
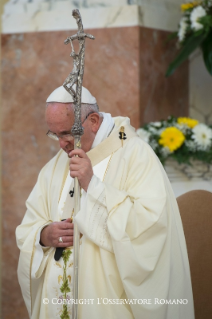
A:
<point x="65" y="287"/>
<point x="207" y="52"/>
<point x="206" y="21"/>
<point x="66" y="254"/>
<point x="65" y="314"/>
<point x="190" y="45"/>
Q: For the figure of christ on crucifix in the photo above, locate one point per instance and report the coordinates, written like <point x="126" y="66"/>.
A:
<point x="78" y="58"/>
<point x="72" y="77"/>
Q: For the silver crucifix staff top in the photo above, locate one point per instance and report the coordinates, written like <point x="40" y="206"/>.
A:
<point x="76" y="75"/>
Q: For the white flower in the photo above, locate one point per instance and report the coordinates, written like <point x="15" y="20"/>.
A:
<point x="155" y="128"/>
<point x="202" y="136"/>
<point x="143" y="134"/>
<point x="153" y="144"/>
<point x="165" y="151"/>
<point x="182" y="29"/>
<point x="197" y="13"/>
<point x="156" y="124"/>
<point x="155" y="131"/>
<point x="182" y="127"/>
<point x="192" y="146"/>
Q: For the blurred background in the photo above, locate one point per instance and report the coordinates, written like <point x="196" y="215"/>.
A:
<point x="125" y="70"/>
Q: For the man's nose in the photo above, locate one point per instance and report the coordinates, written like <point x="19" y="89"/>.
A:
<point x="63" y="143"/>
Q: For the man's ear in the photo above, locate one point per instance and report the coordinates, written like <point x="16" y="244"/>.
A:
<point x="95" y="121"/>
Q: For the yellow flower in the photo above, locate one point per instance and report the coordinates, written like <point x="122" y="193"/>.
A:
<point x="190" y="5"/>
<point x="172" y="138"/>
<point x="188" y="121"/>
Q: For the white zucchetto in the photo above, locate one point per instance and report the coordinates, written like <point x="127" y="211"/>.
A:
<point x="60" y="95"/>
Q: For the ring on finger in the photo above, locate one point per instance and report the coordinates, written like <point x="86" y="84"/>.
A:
<point x="60" y="240"/>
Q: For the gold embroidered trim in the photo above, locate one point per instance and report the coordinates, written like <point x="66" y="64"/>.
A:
<point x="56" y="162"/>
<point x="63" y="183"/>
<point x="30" y="268"/>
<point x="66" y="280"/>
<point x="51" y="256"/>
<point x="33" y="252"/>
<point x="107" y="167"/>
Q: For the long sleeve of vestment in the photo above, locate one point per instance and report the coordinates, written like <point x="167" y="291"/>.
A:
<point x="35" y="219"/>
<point x="130" y="217"/>
<point x="37" y="214"/>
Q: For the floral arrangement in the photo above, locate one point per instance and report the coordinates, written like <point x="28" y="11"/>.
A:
<point x="181" y="138"/>
<point x="195" y="30"/>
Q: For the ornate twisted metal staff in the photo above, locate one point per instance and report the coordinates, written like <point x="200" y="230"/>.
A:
<point x="76" y="77"/>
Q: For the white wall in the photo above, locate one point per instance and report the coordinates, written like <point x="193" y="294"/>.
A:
<point x="41" y="15"/>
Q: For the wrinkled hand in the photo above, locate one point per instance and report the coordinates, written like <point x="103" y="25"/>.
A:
<point x="51" y="233"/>
<point x="81" y="167"/>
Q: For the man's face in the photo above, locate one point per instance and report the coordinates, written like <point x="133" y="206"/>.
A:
<point x="60" y="119"/>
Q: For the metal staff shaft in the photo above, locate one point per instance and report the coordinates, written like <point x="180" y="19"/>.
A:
<point x="76" y="239"/>
<point x="76" y="77"/>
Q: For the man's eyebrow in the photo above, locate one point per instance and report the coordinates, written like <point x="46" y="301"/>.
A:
<point x="61" y="133"/>
<point x="65" y="132"/>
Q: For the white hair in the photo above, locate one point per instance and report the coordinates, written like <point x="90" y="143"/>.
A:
<point x="87" y="108"/>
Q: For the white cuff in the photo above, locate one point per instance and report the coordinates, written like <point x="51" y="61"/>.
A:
<point x="96" y="186"/>
<point x="40" y="254"/>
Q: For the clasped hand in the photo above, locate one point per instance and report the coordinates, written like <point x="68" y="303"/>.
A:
<point x="80" y="167"/>
<point x="50" y="234"/>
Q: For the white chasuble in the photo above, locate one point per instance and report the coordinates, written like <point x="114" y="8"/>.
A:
<point x="133" y="257"/>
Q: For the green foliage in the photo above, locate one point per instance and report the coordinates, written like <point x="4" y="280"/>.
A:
<point x="206" y="22"/>
<point x="190" y="45"/>
<point x="65" y="287"/>
<point x="194" y="39"/>
<point x="207" y="52"/>
<point x="65" y="314"/>
<point x="66" y="254"/>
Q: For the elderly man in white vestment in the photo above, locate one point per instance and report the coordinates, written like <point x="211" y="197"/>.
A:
<point x="133" y="257"/>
